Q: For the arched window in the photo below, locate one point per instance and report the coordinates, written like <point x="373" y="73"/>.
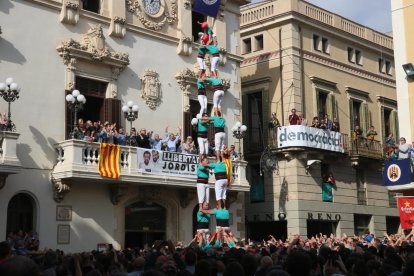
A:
<point x="21" y="213"/>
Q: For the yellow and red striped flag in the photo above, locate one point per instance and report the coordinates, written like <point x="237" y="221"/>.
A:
<point x="229" y="171"/>
<point x="109" y="160"/>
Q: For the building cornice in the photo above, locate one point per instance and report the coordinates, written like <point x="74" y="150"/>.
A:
<point x="323" y="81"/>
<point x="256" y="81"/>
<point x="354" y="91"/>
<point x="387" y="101"/>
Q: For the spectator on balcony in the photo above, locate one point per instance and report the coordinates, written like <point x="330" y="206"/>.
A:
<point x="356" y="136"/>
<point x="3" y="120"/>
<point x="172" y="140"/>
<point x="143" y="140"/>
<point x="156" y="142"/>
<point x="293" y="117"/>
<point x="335" y="124"/>
<point x="322" y="124"/>
<point x="315" y="122"/>
<point x="274" y="122"/>
<point x="107" y="134"/>
<point x="389" y="145"/>
<point x="371" y="136"/>
<point x="412" y="153"/>
<point x="233" y="154"/>
<point x="328" y="122"/>
<point x="188" y="147"/>
<point x="403" y="149"/>
<point x="120" y="137"/>
<point x="302" y="120"/>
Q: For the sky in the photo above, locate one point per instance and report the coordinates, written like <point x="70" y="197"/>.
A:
<point x="375" y="14"/>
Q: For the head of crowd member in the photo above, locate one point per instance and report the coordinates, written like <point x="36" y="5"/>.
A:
<point x="133" y="131"/>
<point x="172" y="136"/>
<point x="293" y="111"/>
<point x="157" y="137"/>
<point x="147" y="157"/>
<point x="143" y="132"/>
<point x="19" y="265"/>
<point x="205" y="206"/>
<point x="356" y="127"/>
<point x="189" y="140"/>
<point x="205" y="118"/>
<point x="232" y="148"/>
<point x="402" y="140"/>
<point x="80" y="122"/>
<point x="155" y="155"/>
<point x="121" y="130"/>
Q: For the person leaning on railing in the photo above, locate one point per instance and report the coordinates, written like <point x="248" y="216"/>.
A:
<point x="356" y="136"/>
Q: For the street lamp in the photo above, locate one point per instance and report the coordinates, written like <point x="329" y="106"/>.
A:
<point x="75" y="103"/>
<point x="131" y="114"/>
<point x="10" y="92"/>
<point x="239" y="132"/>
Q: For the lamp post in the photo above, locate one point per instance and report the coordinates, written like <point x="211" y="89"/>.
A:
<point x="10" y="92"/>
<point x="239" y="132"/>
<point x="75" y="103"/>
<point x="131" y="114"/>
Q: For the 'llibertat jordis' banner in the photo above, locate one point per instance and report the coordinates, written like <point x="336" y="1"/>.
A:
<point x="167" y="163"/>
<point x="406" y="210"/>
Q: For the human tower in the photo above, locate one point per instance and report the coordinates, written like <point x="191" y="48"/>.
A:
<point x="222" y="167"/>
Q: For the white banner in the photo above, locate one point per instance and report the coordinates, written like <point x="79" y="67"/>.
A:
<point x="311" y="137"/>
<point x="167" y="163"/>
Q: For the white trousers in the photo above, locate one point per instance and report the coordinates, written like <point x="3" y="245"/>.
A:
<point x="214" y="62"/>
<point x="219" y="141"/>
<point x="202" y="145"/>
<point x="202" y="99"/>
<point x="220" y="189"/>
<point x="201" y="63"/>
<point x="218" y="96"/>
<point x="203" y="193"/>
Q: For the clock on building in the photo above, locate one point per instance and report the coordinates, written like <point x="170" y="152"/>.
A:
<point x="153" y="8"/>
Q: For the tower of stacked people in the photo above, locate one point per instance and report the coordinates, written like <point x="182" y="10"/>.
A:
<point x="222" y="168"/>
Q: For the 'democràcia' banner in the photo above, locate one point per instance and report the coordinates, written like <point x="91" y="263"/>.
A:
<point x="167" y="163"/>
<point x="304" y="136"/>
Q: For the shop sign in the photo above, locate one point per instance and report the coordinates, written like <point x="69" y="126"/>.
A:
<point x="324" y="216"/>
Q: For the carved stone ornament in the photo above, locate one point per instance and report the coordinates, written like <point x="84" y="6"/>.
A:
<point x="185" y="46"/>
<point x="69" y="13"/>
<point x="93" y="48"/>
<point x="167" y="15"/>
<point x="222" y="9"/>
<point x="222" y="56"/>
<point x="2" y="180"/>
<point x="187" y="4"/>
<point x="117" y="27"/>
<point x="151" y="88"/>
<point x="60" y="189"/>
<point x="183" y="78"/>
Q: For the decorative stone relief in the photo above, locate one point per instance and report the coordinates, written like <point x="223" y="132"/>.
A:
<point x="226" y="84"/>
<point x="117" y="27"/>
<point x="185" y="46"/>
<point x="3" y="180"/>
<point x="222" y="9"/>
<point x="168" y="15"/>
<point x="222" y="56"/>
<point x="151" y="88"/>
<point x="60" y="189"/>
<point x="184" y="78"/>
<point x="92" y="48"/>
<point x="187" y="4"/>
<point x="70" y="12"/>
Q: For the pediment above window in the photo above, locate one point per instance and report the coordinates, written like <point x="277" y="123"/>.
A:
<point x="92" y="48"/>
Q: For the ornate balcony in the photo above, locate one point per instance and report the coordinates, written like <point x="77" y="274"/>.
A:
<point x="9" y="162"/>
<point x="78" y="160"/>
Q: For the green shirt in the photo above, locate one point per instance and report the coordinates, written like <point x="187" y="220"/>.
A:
<point x="221" y="214"/>
<point x="202" y="127"/>
<point x="215" y="81"/>
<point x="201" y="50"/>
<point x="218" y="121"/>
<point x="201" y="217"/>
<point x="219" y="167"/>
<point x="213" y="49"/>
<point x="202" y="172"/>
<point x="201" y="85"/>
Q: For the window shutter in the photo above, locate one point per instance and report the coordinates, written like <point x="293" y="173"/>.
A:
<point x="316" y="105"/>
<point x="364" y="118"/>
<point x="188" y="128"/>
<point x="330" y="105"/>
<point x="112" y="111"/>
<point x="384" y="125"/>
<point x="394" y="124"/>
<point x="351" y="116"/>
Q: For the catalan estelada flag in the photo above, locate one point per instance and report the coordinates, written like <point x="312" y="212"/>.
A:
<point x="109" y="160"/>
<point x="229" y="171"/>
<point x="207" y="7"/>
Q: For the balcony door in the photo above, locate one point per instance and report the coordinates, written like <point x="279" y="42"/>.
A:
<point x="145" y="222"/>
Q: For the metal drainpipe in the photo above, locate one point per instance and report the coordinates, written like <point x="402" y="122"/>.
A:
<point x="281" y="76"/>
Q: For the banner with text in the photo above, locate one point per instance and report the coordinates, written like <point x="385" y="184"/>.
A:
<point x="406" y="210"/>
<point x="304" y="136"/>
<point x="167" y="163"/>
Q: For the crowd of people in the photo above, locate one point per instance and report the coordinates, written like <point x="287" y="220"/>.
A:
<point x="110" y="133"/>
<point x="324" y="255"/>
